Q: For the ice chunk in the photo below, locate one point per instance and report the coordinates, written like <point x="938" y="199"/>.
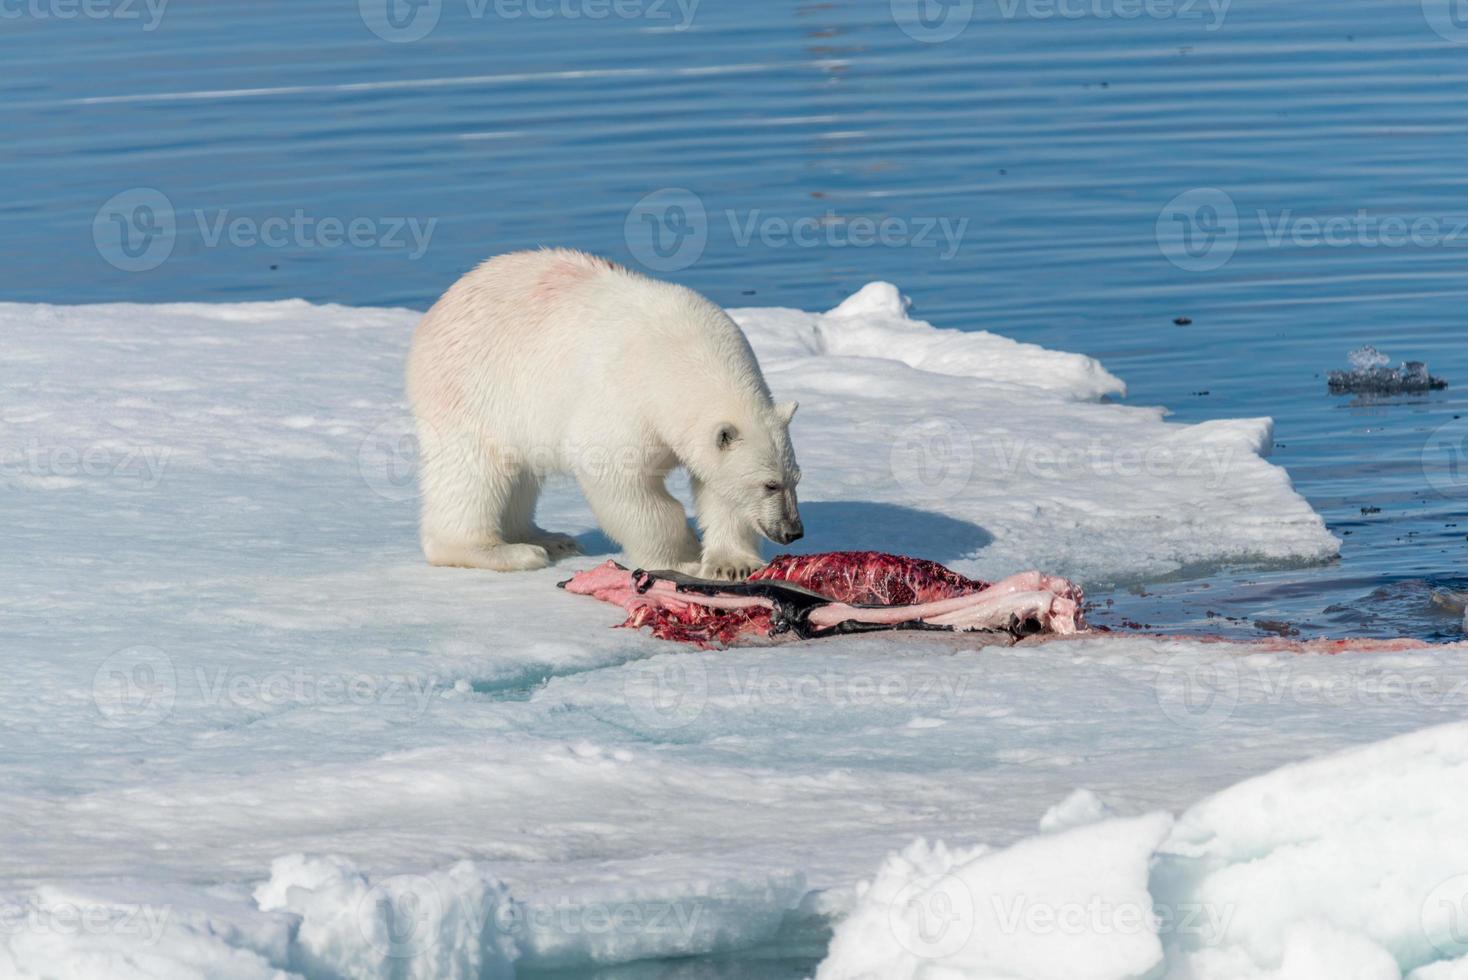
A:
<point x="1312" y="951"/>
<point x="1368" y="841"/>
<point x="452" y="924"/>
<point x="1369" y="375"/>
<point x="1349" y="866"/>
<point x="1443" y="970"/>
<point x="1076" y="810"/>
<point x="139" y="930"/>
<point x="1066" y="906"/>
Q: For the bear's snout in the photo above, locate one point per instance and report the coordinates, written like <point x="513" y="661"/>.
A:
<point x="790" y="531"/>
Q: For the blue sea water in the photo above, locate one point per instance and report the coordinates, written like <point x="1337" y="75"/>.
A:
<point x="1218" y="199"/>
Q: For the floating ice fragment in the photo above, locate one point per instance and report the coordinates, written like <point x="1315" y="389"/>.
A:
<point x="1076" y="810"/>
<point x="1370" y="375"/>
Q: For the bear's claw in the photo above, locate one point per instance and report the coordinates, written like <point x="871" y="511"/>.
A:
<point x="733" y="570"/>
<point x="558" y="546"/>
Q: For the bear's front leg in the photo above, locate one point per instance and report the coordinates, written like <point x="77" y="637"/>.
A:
<point x="730" y="543"/>
<point x="638" y="513"/>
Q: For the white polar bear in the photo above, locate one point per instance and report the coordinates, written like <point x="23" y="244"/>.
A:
<point x="559" y="362"/>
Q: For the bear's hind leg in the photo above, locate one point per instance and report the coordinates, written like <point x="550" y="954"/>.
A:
<point x="648" y="522"/>
<point x="466" y="492"/>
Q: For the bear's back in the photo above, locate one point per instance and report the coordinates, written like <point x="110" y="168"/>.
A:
<point x="563" y="330"/>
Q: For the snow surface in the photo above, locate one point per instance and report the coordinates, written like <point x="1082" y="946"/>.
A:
<point x="249" y="733"/>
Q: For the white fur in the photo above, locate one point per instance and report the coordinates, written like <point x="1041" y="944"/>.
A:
<point x="559" y="362"/>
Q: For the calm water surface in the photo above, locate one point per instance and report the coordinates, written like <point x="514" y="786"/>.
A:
<point x="1059" y="140"/>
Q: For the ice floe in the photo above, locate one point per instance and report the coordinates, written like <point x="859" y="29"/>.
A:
<point x="249" y="732"/>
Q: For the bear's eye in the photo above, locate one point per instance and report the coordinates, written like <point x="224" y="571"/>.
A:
<point x="772" y="488"/>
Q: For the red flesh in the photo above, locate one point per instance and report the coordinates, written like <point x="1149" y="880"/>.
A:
<point x="909" y="590"/>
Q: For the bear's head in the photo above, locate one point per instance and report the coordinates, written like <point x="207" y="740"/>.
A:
<point x="757" y="472"/>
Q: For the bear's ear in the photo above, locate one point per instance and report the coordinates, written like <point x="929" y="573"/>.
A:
<point x="786" y="412"/>
<point x="727" y="435"/>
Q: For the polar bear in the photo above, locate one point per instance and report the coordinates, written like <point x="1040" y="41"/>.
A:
<point x="556" y="361"/>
